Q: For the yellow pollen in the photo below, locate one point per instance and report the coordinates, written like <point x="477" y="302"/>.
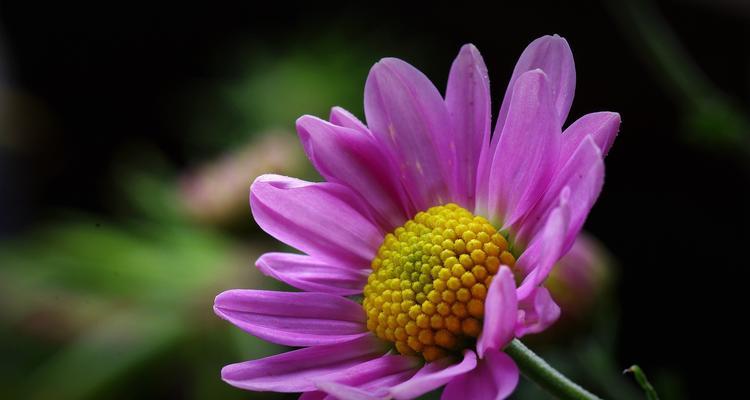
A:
<point x="429" y="280"/>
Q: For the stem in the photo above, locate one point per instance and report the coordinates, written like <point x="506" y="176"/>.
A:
<point x="535" y="369"/>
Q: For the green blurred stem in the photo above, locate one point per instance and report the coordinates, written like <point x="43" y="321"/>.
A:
<point x="538" y="371"/>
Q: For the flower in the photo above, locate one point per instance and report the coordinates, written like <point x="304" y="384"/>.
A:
<point x="447" y="233"/>
<point x="211" y="193"/>
<point x="581" y="278"/>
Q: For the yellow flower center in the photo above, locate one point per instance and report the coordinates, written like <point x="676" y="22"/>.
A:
<point x="429" y="280"/>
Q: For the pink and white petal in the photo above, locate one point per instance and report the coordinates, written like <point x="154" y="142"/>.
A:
<point x="527" y="153"/>
<point x="297" y="371"/>
<point x="312" y="275"/>
<point x="434" y="375"/>
<point x="370" y="380"/>
<point x="325" y="220"/>
<point x="293" y="318"/>
<point x="352" y="158"/>
<point x="538" y="312"/>
<point x="545" y="250"/>
<point x="583" y="174"/>
<point x="601" y="126"/>
<point x="341" y="117"/>
<point x="407" y="115"/>
<point x="501" y="313"/>
<point x="495" y="377"/>
<point x="468" y="101"/>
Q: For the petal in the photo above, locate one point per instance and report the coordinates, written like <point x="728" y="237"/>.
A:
<point x="293" y="318"/>
<point x="527" y="152"/>
<point x="296" y="371"/>
<point x="311" y="275"/>
<point x="468" y="101"/>
<point x="544" y="251"/>
<point x="352" y="158"/>
<point x="501" y="313"/>
<point x="407" y="115"/>
<point x="601" y="126"/>
<point x="495" y="377"/>
<point x="552" y="55"/>
<point x="343" y="118"/>
<point x="583" y="174"/>
<point x="370" y="380"/>
<point x="325" y="220"/>
<point x="433" y="375"/>
<point x="539" y="311"/>
<point x="316" y="395"/>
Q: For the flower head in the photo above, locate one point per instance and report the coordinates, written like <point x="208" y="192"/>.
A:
<point x="446" y="231"/>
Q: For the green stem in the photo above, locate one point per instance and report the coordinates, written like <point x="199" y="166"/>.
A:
<point x="535" y="369"/>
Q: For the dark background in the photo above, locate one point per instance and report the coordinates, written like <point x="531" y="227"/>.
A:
<point x="674" y="209"/>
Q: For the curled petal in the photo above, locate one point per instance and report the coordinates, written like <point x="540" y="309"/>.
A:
<point x="311" y="275"/>
<point x="292" y="318"/>
<point x="538" y="312"/>
<point x="297" y="371"/>
<point x="433" y="375"/>
<point x="495" y="377"/>
<point x="501" y="310"/>
<point x="325" y="220"/>
<point x="544" y="251"/>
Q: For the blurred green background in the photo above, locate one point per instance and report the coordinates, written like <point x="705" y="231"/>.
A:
<point x="130" y="137"/>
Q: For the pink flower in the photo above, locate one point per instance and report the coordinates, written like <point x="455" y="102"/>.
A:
<point x="424" y="215"/>
<point x="580" y="279"/>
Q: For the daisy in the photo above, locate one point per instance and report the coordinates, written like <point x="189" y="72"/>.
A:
<point x="426" y="247"/>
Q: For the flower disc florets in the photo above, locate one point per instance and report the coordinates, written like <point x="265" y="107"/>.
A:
<point x="429" y="280"/>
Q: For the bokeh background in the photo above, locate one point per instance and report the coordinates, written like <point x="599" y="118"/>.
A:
<point x="129" y="136"/>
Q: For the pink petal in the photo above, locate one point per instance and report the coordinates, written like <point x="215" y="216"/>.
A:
<point x="311" y="275"/>
<point x="316" y="395"/>
<point x="495" y="377"/>
<point x="552" y="55"/>
<point x="325" y="220"/>
<point x="433" y="375"/>
<point x="371" y="380"/>
<point x="407" y="115"/>
<point x="544" y="251"/>
<point x="527" y="152"/>
<point x="501" y="313"/>
<point x="539" y="311"/>
<point x="583" y="175"/>
<point x="293" y="318"/>
<point x="297" y="371"/>
<point x="468" y="101"/>
<point x="343" y="118"/>
<point x="352" y="158"/>
<point x="601" y="126"/>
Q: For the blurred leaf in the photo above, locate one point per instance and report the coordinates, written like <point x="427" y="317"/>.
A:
<point x="105" y="352"/>
<point x="643" y="382"/>
<point x="274" y="87"/>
